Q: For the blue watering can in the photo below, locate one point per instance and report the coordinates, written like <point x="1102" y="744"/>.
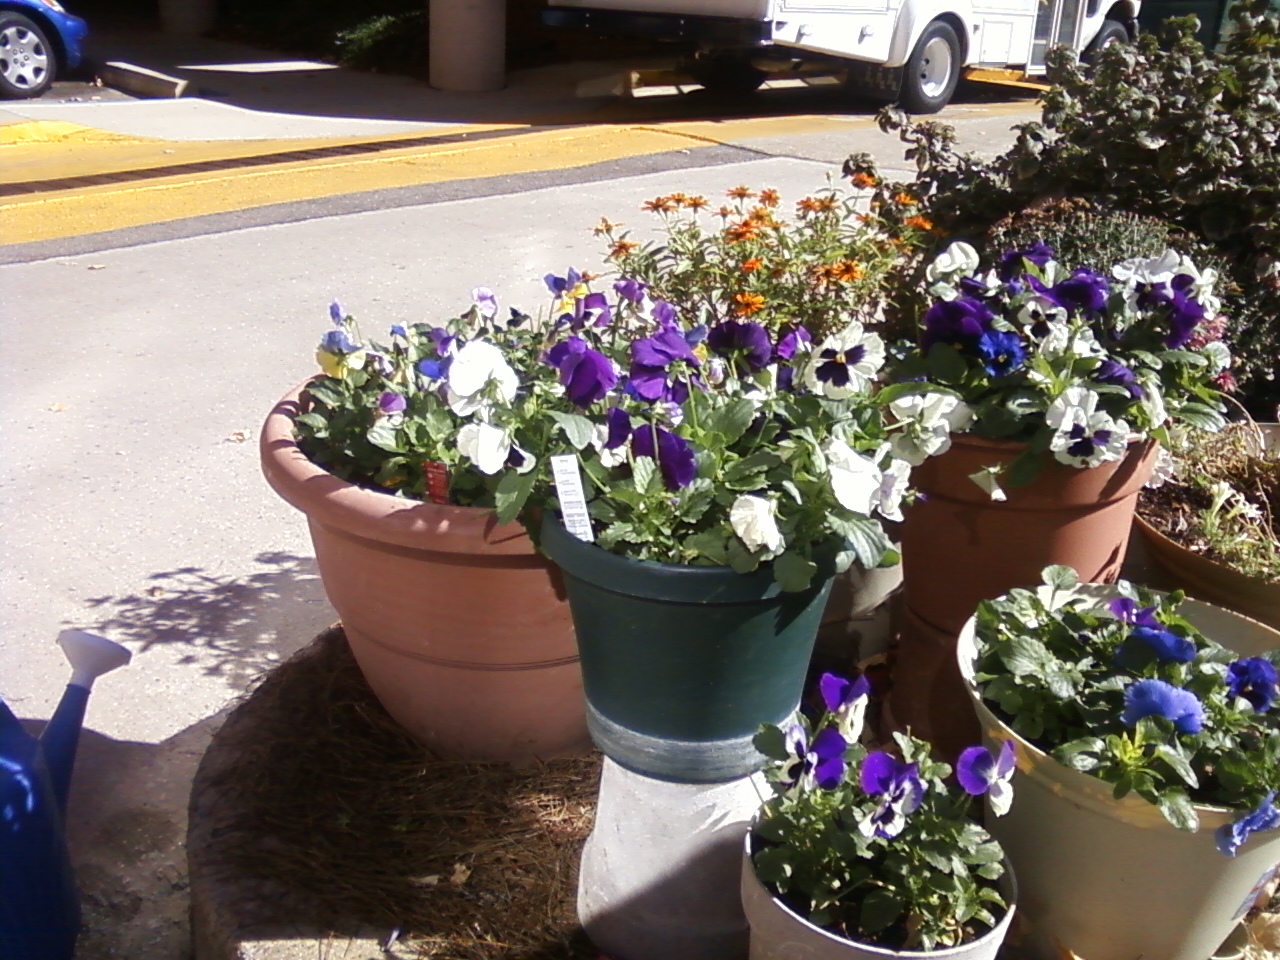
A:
<point x="39" y="908"/>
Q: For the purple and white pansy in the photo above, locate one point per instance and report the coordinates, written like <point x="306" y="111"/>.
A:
<point x="982" y="773"/>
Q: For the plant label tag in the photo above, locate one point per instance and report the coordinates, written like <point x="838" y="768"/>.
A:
<point x="437" y="475"/>
<point x="573" y="502"/>
<point x="1256" y="892"/>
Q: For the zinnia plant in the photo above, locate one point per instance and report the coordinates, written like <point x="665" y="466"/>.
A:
<point x="1076" y="364"/>
<point x="1127" y="690"/>
<point x="878" y="846"/>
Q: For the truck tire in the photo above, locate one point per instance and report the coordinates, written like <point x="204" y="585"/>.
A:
<point x="930" y="74"/>
<point x="727" y="74"/>
<point x="1111" y="31"/>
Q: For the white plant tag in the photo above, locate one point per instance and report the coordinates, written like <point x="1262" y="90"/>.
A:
<point x="573" y="501"/>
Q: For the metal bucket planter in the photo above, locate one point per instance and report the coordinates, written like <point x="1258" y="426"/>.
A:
<point x="1112" y="879"/>
<point x="682" y="664"/>
<point x="458" y="624"/>
<point x="779" y="933"/>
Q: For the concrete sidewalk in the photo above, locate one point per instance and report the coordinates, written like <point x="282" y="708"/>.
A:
<point x="141" y="358"/>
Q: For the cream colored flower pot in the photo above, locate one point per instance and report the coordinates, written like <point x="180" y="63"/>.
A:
<point x="1111" y="879"/>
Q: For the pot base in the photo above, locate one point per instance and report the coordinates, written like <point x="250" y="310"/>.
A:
<point x="928" y="695"/>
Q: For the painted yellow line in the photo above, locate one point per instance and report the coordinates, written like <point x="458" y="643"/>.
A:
<point x="58" y="131"/>
<point x="83" y="210"/>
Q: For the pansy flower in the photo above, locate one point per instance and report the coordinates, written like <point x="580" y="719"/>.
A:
<point x="337" y="314"/>
<point x="855" y="479"/>
<point x="477" y="365"/>
<point x="926" y="422"/>
<point x="960" y="323"/>
<point x="1013" y="263"/>
<point x="630" y="290"/>
<point x="338" y="353"/>
<point x="981" y="772"/>
<point x="588" y="375"/>
<point x="847" y="701"/>
<point x="486" y="302"/>
<point x="1001" y="352"/>
<point x="390" y="402"/>
<point x="1117" y="374"/>
<point x="655" y="365"/>
<point x="1085" y="291"/>
<point x="745" y="344"/>
<point x="755" y="521"/>
<point x="674" y="455"/>
<point x="825" y="758"/>
<point x="1155" y="698"/>
<point x="491" y="448"/>
<point x="1254" y="679"/>
<point x="1231" y="836"/>
<point x="845" y="363"/>
<point x="900" y="788"/>
<point x="1084" y="436"/>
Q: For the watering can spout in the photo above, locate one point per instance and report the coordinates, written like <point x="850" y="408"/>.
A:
<point x="91" y="656"/>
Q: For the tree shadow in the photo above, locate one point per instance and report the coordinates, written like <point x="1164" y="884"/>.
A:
<point x="233" y="627"/>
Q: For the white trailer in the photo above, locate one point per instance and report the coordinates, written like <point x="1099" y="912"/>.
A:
<point x="913" y="51"/>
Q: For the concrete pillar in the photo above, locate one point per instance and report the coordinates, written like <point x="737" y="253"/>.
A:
<point x="468" y="46"/>
<point x="189" y="18"/>
<point x="661" y="870"/>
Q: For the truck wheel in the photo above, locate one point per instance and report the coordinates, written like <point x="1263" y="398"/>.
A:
<point x="1111" y="31"/>
<point x="727" y="74"/>
<point x="930" y="75"/>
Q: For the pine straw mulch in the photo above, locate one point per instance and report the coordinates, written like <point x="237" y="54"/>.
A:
<point x="467" y="861"/>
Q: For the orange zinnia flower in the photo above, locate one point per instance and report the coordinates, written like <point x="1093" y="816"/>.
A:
<point x="770" y="197"/>
<point x="622" y="248"/>
<point x="605" y="226"/>
<point x="847" y="271"/>
<point x="904" y="198"/>
<point x="695" y="203"/>
<point x="752" y="265"/>
<point x="740" y="193"/>
<point x="741" y="232"/>
<point x="920" y="223"/>
<point x="659" y="205"/>
<point x="863" y="181"/>
<point x="745" y="304"/>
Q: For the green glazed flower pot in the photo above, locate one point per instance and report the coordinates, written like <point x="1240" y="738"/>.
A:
<point x="682" y="664"/>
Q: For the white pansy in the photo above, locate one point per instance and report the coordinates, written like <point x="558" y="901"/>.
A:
<point x="610" y="458"/>
<point x="959" y="258"/>
<point x="855" y="480"/>
<point x="487" y="446"/>
<point x="988" y="478"/>
<point x="1159" y="269"/>
<point x="478" y="364"/>
<point x="846" y="363"/>
<point x="1040" y="309"/>
<point x="755" y="521"/>
<point x="927" y="422"/>
<point x="1084" y="436"/>
<point x="1165" y="469"/>
<point x="1062" y="341"/>
<point x="1152" y="401"/>
<point x="894" y="481"/>
<point x="1202" y="282"/>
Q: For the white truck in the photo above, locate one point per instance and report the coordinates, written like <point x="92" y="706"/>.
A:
<point x="913" y="51"/>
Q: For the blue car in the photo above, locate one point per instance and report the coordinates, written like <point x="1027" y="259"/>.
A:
<point x="38" y="41"/>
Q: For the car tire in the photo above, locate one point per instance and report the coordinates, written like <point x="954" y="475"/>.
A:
<point x="727" y="74"/>
<point x="27" y="59"/>
<point x="1111" y="31"/>
<point x="931" y="72"/>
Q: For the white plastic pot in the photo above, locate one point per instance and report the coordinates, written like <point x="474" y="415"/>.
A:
<point x="1112" y="879"/>
<point x="778" y="933"/>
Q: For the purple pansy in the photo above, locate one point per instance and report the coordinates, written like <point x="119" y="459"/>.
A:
<point x="746" y="344"/>
<point x="981" y="772"/>
<point x="338" y="343"/>
<point x="391" y="402"/>
<point x="588" y="375"/>
<point x="1253" y="678"/>
<point x="797" y="745"/>
<point x="665" y="314"/>
<point x="1116" y="373"/>
<point x="675" y="457"/>
<point x="1264" y="816"/>
<point x="559" y="286"/>
<point x="792" y="340"/>
<point x="959" y="322"/>
<point x="1001" y="352"/>
<point x="1127" y="609"/>
<point x="1155" y="698"/>
<point x="336" y="313"/>
<point x="434" y="369"/>
<point x="1085" y="291"/>
<point x="630" y="290"/>
<point x="826" y="758"/>
<point x="651" y="359"/>
<point x="1012" y="262"/>
<point x="486" y="302"/>
<point x="901" y="791"/>
<point x="398" y="330"/>
<point x="591" y="310"/>
<point x="1185" y="315"/>
<point x="847" y="700"/>
<point x="618" y="427"/>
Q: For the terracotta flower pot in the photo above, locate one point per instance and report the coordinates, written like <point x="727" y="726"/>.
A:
<point x="458" y="623"/>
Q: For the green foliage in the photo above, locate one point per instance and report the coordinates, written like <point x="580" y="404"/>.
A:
<point x="388" y="42"/>
<point x="1183" y="135"/>
<point x="1057" y="665"/>
<point x="1083" y="234"/>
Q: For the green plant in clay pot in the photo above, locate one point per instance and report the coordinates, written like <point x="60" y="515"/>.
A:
<point x="1211" y="528"/>
<point x="864" y="853"/>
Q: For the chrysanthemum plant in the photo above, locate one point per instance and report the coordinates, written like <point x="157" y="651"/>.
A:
<point x="1130" y="692"/>
<point x="876" y="846"/>
<point x="1074" y="363"/>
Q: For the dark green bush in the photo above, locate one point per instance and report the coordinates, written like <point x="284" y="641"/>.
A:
<point x="1183" y="135"/>
<point x="390" y="43"/>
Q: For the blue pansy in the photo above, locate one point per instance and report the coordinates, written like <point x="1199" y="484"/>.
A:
<point x="1253" y="678"/>
<point x="1001" y="352"/>
<point x="1265" y="816"/>
<point x="1155" y="698"/>
<point x="959" y="322"/>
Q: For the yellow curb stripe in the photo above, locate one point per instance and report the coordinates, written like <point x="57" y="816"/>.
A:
<point x="59" y="131"/>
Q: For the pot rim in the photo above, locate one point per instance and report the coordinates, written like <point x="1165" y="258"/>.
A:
<point x="1089" y="791"/>
<point x="672" y="582"/>
<point x="1155" y="534"/>
<point x="369" y="514"/>
<point x="1009" y="883"/>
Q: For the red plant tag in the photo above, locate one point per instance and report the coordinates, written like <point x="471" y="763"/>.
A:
<point x="437" y="481"/>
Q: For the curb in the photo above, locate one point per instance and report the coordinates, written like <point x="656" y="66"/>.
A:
<point x="140" y="81"/>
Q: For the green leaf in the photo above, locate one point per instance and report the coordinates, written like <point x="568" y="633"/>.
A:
<point x="315" y="423"/>
<point x="865" y="537"/>
<point x="1024" y="655"/>
<point x="740" y="558"/>
<point x="578" y="429"/>
<point x="1178" y="763"/>
<point x="711" y="544"/>
<point x="1201" y="416"/>
<point x="731" y="420"/>
<point x="771" y="741"/>
<point x="1177" y="809"/>
<point x="1080" y="754"/>
<point x="793" y="572"/>
<point x="385" y="436"/>
<point x="645" y="475"/>
<point x="511" y="493"/>
<point x="880" y="908"/>
<point x="946" y="364"/>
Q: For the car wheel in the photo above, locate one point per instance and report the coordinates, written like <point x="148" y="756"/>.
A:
<point x="930" y="74"/>
<point x="1111" y="31"/>
<point x="27" y="62"/>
